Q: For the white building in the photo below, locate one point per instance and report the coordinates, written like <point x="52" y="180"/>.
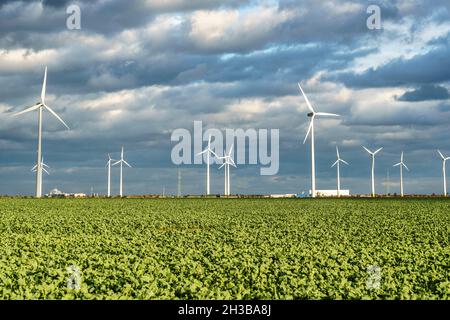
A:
<point x="331" y="193"/>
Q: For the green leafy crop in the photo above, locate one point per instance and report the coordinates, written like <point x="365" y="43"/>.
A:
<point x="224" y="249"/>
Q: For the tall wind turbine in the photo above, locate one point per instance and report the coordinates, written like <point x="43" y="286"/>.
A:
<point x="121" y="162"/>
<point x="444" y="160"/>
<point x="228" y="161"/>
<point x="108" y="165"/>
<point x="373" y="167"/>
<point x="401" y="164"/>
<point x="313" y="115"/>
<point x="40" y="106"/>
<point x="337" y="163"/>
<point x="208" y="152"/>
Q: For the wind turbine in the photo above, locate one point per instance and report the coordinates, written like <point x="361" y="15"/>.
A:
<point x="228" y="161"/>
<point x="313" y="115"/>
<point x="43" y="167"/>
<point x="444" y="160"/>
<point x="401" y="164"/>
<point x="108" y="165"/>
<point x="338" y="171"/>
<point x="121" y="162"/>
<point x="373" y="167"/>
<point x="208" y="152"/>
<point x="40" y="106"/>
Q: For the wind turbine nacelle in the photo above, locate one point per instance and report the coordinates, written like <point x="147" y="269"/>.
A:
<point x="310" y="114"/>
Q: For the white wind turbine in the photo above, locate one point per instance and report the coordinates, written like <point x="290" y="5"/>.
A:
<point x="444" y="160"/>
<point x="313" y="115"/>
<point x="121" y="162"/>
<point x="401" y="164"/>
<point x="108" y="165"/>
<point x="208" y="152"/>
<point x="337" y="163"/>
<point x="44" y="166"/>
<point x="40" y="106"/>
<point x="373" y="167"/>
<point x="228" y="161"/>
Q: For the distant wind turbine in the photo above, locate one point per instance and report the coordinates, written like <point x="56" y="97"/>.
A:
<point x="228" y="161"/>
<point x="40" y="106"/>
<point x="121" y="162"/>
<point x="208" y="152"/>
<point x="108" y="165"/>
<point x="444" y="160"/>
<point x="43" y="167"/>
<point x="373" y="167"/>
<point x="401" y="164"/>
<point x="338" y="170"/>
<point x="313" y="115"/>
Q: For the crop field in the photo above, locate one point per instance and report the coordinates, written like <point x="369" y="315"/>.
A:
<point x="224" y="249"/>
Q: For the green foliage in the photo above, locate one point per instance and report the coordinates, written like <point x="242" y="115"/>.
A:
<point x="224" y="249"/>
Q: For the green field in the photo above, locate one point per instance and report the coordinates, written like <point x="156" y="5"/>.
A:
<point x="225" y="248"/>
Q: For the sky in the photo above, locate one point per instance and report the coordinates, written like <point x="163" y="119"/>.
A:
<point x="138" y="70"/>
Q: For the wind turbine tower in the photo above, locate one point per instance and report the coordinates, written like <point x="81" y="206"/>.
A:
<point x="373" y="167"/>
<point x="337" y="164"/>
<point x="39" y="107"/>
<point x="444" y="160"/>
<point x="313" y="114"/>
<point x="121" y="162"/>
<point x="401" y="164"/>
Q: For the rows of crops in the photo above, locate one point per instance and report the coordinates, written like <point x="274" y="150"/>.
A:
<point x="224" y="249"/>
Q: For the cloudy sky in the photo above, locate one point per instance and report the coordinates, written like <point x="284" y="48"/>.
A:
<point x="137" y="70"/>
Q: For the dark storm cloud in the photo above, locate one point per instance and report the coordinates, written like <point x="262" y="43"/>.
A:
<point x="425" y="92"/>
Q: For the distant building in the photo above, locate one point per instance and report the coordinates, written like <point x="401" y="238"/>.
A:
<point x="331" y="193"/>
<point x="287" y="195"/>
<point x="55" y="193"/>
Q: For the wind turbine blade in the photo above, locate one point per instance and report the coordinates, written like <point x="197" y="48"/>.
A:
<point x="309" y="130"/>
<point x="344" y="162"/>
<point x="327" y="114"/>
<point x="214" y="154"/>
<point x="231" y="161"/>
<point x="36" y="106"/>
<point x="34" y="168"/>
<point x="367" y="150"/>
<point x="43" y="169"/>
<point x="335" y="163"/>
<point x="306" y="99"/>
<point x="222" y="165"/>
<point x="56" y="116"/>
<point x="127" y="163"/>
<point x="116" y="163"/>
<point x="440" y="153"/>
<point x="231" y="149"/>
<point x="405" y="166"/>
<point x="401" y="157"/>
<point x="337" y="152"/>
<point x="44" y="86"/>
<point x="204" y="151"/>
<point x="397" y="164"/>
<point x="378" y="151"/>
<point x="44" y="165"/>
